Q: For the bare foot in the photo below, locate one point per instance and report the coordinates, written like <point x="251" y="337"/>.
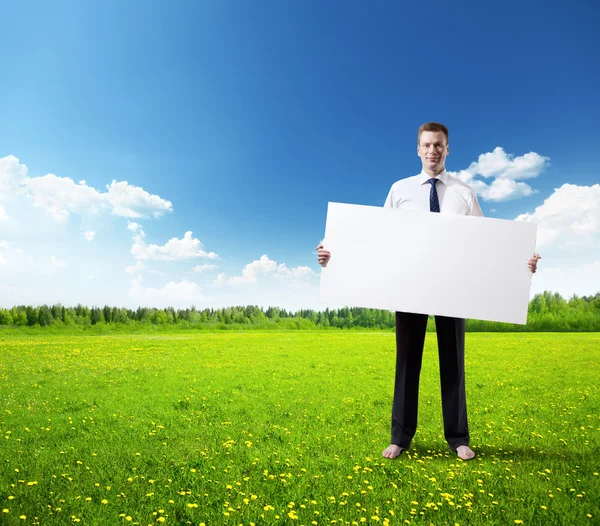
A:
<point x="465" y="452"/>
<point x="392" y="451"/>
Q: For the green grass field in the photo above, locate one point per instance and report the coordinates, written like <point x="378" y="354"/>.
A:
<point x="288" y="428"/>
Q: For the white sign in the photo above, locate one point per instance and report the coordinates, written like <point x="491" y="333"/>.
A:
<point x="413" y="261"/>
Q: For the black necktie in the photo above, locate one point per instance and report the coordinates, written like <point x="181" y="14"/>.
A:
<point x="434" y="202"/>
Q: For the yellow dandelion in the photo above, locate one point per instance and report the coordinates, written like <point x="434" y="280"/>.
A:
<point x="518" y="521"/>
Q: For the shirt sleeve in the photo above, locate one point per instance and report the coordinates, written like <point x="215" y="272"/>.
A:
<point x="389" y="202"/>
<point x="475" y="208"/>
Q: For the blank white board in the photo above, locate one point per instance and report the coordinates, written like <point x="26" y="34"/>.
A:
<point x="413" y="261"/>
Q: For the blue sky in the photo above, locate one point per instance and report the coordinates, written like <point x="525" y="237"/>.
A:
<point x="243" y="119"/>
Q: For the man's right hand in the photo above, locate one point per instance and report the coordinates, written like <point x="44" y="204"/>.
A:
<point x="323" y="255"/>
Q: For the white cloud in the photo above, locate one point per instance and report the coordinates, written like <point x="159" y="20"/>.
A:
<point x="14" y="259"/>
<point x="500" y="164"/>
<point x="3" y="215"/>
<point x="132" y="269"/>
<point x="265" y="267"/>
<point x="506" y="171"/>
<point x="571" y="213"/>
<point x="13" y="176"/>
<point x="133" y="201"/>
<point x="174" y="249"/>
<point x="176" y="294"/>
<point x="501" y="189"/>
<point x="57" y="263"/>
<point x="265" y="282"/>
<point x="89" y="236"/>
<point x="583" y="280"/>
<point x="204" y="268"/>
<point x="568" y="239"/>
<point x="62" y="196"/>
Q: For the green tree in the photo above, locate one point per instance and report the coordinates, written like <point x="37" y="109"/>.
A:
<point x="5" y="317"/>
<point x="96" y="315"/>
<point x="159" y="317"/>
<point x="45" y="316"/>
<point x="19" y="317"/>
<point x="31" y="316"/>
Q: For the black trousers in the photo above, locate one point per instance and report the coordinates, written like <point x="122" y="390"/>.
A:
<point x="410" y="338"/>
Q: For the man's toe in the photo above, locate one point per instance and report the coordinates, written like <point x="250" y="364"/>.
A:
<point x="465" y="452"/>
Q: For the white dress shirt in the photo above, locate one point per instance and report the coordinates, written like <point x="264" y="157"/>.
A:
<point x="455" y="197"/>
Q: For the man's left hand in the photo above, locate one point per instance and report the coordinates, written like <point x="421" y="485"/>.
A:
<point x="532" y="263"/>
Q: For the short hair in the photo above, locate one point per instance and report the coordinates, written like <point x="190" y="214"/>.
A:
<point x="432" y="127"/>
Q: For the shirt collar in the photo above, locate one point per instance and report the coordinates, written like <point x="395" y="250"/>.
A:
<point x="443" y="177"/>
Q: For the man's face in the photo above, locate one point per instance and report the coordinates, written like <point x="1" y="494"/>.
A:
<point x="433" y="150"/>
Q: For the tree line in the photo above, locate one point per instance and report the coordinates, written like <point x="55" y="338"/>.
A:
<point x="547" y="312"/>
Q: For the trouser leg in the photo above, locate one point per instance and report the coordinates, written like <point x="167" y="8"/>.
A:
<point x="451" y="350"/>
<point x="410" y="337"/>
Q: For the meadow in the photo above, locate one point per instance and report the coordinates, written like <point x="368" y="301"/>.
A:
<point x="288" y="428"/>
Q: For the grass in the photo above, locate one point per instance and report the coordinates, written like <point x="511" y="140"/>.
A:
<point x="288" y="428"/>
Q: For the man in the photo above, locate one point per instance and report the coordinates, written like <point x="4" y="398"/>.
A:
<point x="433" y="190"/>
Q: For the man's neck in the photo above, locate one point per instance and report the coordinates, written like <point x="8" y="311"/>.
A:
<point x="432" y="173"/>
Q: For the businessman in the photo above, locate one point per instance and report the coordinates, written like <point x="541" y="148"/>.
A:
<point x="434" y="190"/>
